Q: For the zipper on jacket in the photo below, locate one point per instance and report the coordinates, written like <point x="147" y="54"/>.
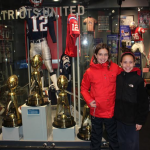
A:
<point x="124" y="78"/>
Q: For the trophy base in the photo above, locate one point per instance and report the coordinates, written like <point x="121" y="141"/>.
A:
<point x="7" y="123"/>
<point x="34" y="99"/>
<point x="64" y="123"/>
<point x="35" y="103"/>
<point x="19" y="121"/>
<point x="12" y="123"/>
<point x="84" y="134"/>
<point x="37" y="122"/>
<point x="67" y="134"/>
<point x="13" y="134"/>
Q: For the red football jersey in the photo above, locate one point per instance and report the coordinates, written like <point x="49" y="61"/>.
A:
<point x="72" y="34"/>
<point x="137" y="34"/>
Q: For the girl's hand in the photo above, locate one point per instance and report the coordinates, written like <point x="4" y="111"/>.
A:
<point x="138" y="127"/>
<point x="93" y="103"/>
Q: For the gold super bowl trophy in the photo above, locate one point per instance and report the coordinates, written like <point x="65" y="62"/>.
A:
<point x="85" y="130"/>
<point x="36" y="94"/>
<point x="12" y="118"/>
<point x="63" y="117"/>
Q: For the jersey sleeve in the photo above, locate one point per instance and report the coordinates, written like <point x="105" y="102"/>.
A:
<point x="51" y="28"/>
<point x="85" y="20"/>
<point x="95" y="21"/>
<point x="141" y="30"/>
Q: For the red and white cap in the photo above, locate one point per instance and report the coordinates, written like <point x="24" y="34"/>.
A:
<point x="36" y="3"/>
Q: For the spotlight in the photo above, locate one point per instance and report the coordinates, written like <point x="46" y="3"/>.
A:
<point x="74" y="1"/>
<point x="85" y="42"/>
<point x="113" y="11"/>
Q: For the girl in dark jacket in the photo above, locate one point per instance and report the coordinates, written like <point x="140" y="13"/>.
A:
<point x="98" y="88"/>
<point x="131" y="106"/>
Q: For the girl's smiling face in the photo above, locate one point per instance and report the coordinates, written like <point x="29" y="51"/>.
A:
<point x="102" y="56"/>
<point x="127" y="63"/>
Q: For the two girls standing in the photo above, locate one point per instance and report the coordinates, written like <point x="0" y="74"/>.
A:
<point x="98" y="88"/>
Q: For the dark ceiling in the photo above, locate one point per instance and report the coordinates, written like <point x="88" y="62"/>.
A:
<point x="17" y="3"/>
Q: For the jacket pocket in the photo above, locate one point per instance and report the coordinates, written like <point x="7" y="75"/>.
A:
<point x="112" y="78"/>
<point x="95" y="89"/>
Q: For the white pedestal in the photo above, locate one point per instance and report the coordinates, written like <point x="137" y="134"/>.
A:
<point x="37" y="122"/>
<point x="13" y="133"/>
<point x="67" y="134"/>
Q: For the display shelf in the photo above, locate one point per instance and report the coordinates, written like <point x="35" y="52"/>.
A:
<point x="59" y="144"/>
<point x="13" y="133"/>
<point x="37" y="122"/>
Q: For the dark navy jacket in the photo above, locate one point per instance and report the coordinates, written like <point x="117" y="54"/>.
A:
<point x="131" y="105"/>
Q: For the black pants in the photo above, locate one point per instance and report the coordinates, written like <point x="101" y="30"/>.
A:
<point x="97" y="129"/>
<point x="128" y="137"/>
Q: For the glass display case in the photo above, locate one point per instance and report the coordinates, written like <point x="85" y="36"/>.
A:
<point x="98" y="22"/>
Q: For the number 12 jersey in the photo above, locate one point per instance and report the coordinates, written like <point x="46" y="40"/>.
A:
<point x="72" y="34"/>
<point x="38" y="25"/>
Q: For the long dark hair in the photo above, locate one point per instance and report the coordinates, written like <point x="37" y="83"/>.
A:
<point x="97" y="48"/>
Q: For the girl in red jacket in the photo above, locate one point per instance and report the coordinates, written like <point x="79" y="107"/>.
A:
<point x="98" y="88"/>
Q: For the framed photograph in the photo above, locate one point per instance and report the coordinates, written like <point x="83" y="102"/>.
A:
<point x="124" y="20"/>
<point x="144" y="19"/>
<point x="103" y="22"/>
<point x="6" y="32"/>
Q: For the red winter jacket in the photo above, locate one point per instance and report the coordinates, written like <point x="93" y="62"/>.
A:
<point x="99" y="84"/>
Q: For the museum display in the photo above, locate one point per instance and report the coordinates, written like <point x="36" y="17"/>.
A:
<point x="136" y="33"/>
<point x="65" y="69"/>
<point x="90" y="23"/>
<point x="36" y="93"/>
<point x="13" y="117"/>
<point x="85" y="130"/>
<point x="63" y="118"/>
<point x="40" y="40"/>
<point x="72" y="34"/>
<point x="38" y="27"/>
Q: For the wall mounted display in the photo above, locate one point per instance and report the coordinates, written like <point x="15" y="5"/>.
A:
<point x="90" y="23"/>
<point x="144" y="19"/>
<point x="112" y="43"/>
<point x="97" y="41"/>
<point x="125" y="35"/>
<point x="124" y="20"/>
<point x="6" y="32"/>
<point x="103" y="22"/>
<point x="6" y="51"/>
